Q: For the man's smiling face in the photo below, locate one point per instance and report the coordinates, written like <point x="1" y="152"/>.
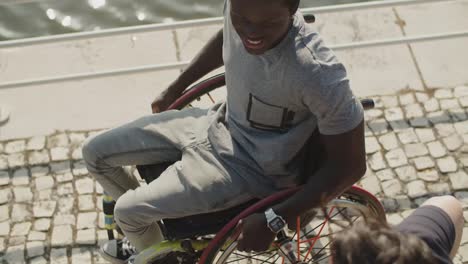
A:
<point x="261" y="24"/>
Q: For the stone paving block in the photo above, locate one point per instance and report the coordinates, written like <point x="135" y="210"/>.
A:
<point x="64" y="219"/>
<point x="458" y="114"/>
<point x="443" y="93"/>
<point x="415" y="150"/>
<point x="15" y="254"/>
<point x="372" y="145"/>
<point x="84" y="186"/>
<point x="86" y="220"/>
<point x="60" y="167"/>
<point x="39" y="171"/>
<point x="372" y="114"/>
<point x="62" y="235"/>
<point x="21" y="229"/>
<point x="81" y="255"/>
<point x="37" y="236"/>
<point x="377" y="162"/>
<point x="406" y="99"/>
<point x="438" y="117"/>
<point x="436" y="149"/>
<point x="42" y="224"/>
<point x="408" y="136"/>
<point x="34" y="249"/>
<point x="396" y="158"/>
<point x="385" y="175"/>
<point x="453" y="142"/>
<point x="79" y="168"/>
<point x="77" y="154"/>
<point x="463" y="101"/>
<point x="44" y="208"/>
<point x="371" y="184"/>
<point x="447" y="104"/>
<point x="399" y="125"/>
<point x="431" y="105"/>
<point x="4" y="178"/>
<point x="463" y="198"/>
<point x="403" y="202"/>
<point x="59" y="154"/>
<point x="465" y="215"/>
<point x="20" y="177"/>
<point x="16" y="160"/>
<point x="389" y="101"/>
<point x="86" y="237"/>
<point x="441" y="188"/>
<point x="4" y="228"/>
<point x="461" y="127"/>
<point x="59" y="140"/>
<point x="86" y="203"/>
<point x="445" y="129"/>
<point x="419" y="122"/>
<point x="44" y="195"/>
<point x="406" y="173"/>
<point x="425" y="134"/>
<point x="447" y="165"/>
<point x="39" y="157"/>
<point x="58" y="256"/>
<point x="389" y="204"/>
<point x="459" y="180"/>
<point x="378" y="126"/>
<point x="22" y="194"/>
<point x="99" y="189"/>
<point x="44" y="183"/>
<point x="423" y="163"/>
<point x="20" y="213"/>
<point x="2" y="246"/>
<point x="388" y="141"/>
<point x="430" y="175"/>
<point x="422" y="97"/>
<point x="15" y="146"/>
<point x="102" y="237"/>
<point x="4" y="212"/>
<point x="36" y="143"/>
<point x="413" y="111"/>
<point x="5" y="196"/>
<point x="65" y="189"/>
<point x="416" y="189"/>
<point x="460" y="91"/>
<point x="394" y="114"/>
<point x="65" y="177"/>
<point x="392" y="188"/>
<point x="77" y="138"/>
<point x="463" y="160"/>
<point x="66" y="204"/>
<point x="3" y="162"/>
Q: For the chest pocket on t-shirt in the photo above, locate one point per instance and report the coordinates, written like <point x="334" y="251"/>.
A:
<point x="265" y="116"/>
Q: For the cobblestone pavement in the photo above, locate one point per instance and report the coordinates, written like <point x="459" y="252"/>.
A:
<point x="50" y="208"/>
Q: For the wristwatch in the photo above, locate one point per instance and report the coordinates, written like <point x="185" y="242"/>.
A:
<point x="275" y="222"/>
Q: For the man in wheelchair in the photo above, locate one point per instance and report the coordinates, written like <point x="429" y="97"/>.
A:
<point x="287" y="97"/>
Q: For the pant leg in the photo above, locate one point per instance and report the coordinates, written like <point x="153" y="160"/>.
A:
<point x="196" y="184"/>
<point x="149" y="140"/>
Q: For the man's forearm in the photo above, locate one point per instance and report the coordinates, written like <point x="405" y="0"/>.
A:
<point x="326" y="184"/>
<point x="208" y="59"/>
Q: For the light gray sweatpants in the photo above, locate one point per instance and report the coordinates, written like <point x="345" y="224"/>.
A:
<point x="196" y="183"/>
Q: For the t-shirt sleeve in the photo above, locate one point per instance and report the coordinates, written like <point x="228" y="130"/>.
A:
<point x="434" y="227"/>
<point x="332" y="102"/>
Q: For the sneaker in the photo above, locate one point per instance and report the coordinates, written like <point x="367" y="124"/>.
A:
<point x="118" y="251"/>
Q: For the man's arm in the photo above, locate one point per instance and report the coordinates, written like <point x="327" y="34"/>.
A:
<point x="208" y="59"/>
<point x="345" y="164"/>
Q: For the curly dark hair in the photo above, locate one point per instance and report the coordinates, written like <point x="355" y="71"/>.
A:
<point x="373" y="242"/>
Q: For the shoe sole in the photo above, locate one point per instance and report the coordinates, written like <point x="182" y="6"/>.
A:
<point x="111" y="259"/>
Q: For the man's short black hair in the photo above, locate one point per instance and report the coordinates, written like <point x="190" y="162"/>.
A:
<point x="293" y="5"/>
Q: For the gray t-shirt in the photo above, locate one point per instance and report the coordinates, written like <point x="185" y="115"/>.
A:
<point x="274" y="103"/>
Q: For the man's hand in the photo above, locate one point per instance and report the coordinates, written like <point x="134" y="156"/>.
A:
<point x="164" y="100"/>
<point x="255" y="234"/>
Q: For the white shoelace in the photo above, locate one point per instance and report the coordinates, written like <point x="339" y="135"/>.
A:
<point x="127" y="247"/>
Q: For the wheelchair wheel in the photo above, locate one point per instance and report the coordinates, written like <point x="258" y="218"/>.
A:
<point x="203" y="92"/>
<point x="311" y="241"/>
